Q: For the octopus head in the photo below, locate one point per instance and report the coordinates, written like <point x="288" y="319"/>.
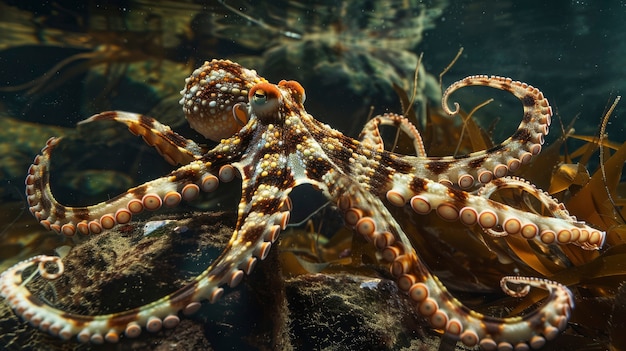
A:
<point x="214" y="94"/>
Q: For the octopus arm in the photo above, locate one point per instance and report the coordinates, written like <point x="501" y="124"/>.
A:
<point x="174" y="148"/>
<point x="480" y="167"/>
<point x="446" y="313"/>
<point x="261" y="218"/>
<point x="182" y="184"/>
<point x="374" y="222"/>
<point x="371" y="136"/>
<point x="495" y="218"/>
<point x="86" y="328"/>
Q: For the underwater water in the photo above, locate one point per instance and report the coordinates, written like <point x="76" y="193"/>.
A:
<point x="570" y="49"/>
<point x="61" y="63"/>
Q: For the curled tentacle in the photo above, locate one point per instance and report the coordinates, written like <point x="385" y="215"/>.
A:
<point x="481" y="167"/>
<point x="371" y="133"/>
<point x="537" y="110"/>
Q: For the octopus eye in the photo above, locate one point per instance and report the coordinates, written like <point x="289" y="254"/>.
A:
<point x="259" y="97"/>
<point x="297" y="90"/>
<point x="265" y="99"/>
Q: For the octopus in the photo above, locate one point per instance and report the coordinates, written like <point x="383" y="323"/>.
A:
<point x="267" y="139"/>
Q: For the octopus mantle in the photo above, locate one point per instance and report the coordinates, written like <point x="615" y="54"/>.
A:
<point x="274" y="145"/>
